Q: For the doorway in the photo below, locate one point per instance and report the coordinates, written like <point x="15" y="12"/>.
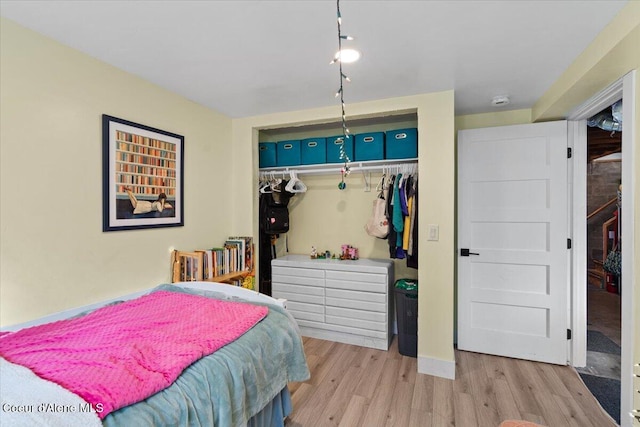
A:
<point x="603" y="179"/>
<point x="623" y="88"/>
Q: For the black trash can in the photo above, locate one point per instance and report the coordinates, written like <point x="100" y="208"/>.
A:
<point x="406" y="293"/>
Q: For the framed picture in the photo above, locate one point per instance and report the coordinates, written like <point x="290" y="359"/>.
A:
<point x="143" y="171"/>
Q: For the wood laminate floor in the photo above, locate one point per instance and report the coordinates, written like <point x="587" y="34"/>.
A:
<point x="356" y="386"/>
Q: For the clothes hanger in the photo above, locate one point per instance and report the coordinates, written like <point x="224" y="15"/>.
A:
<point x="295" y="185"/>
<point x="265" y="187"/>
<point x="265" y="184"/>
<point x="381" y="184"/>
<point x="275" y="183"/>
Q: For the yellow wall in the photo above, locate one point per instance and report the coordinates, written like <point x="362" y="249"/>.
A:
<point x="497" y="118"/>
<point x="53" y="253"/>
<point x="327" y="217"/>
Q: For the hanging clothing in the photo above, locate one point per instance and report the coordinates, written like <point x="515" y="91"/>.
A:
<point x="408" y="191"/>
<point x="398" y="215"/>
<point x="412" y="216"/>
<point x="398" y="220"/>
<point x="392" y="237"/>
<point x="412" y="255"/>
<point x="402" y="213"/>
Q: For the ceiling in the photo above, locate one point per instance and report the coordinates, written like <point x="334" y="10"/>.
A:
<point x="245" y="58"/>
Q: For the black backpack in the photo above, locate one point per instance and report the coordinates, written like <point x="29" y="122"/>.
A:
<point x="274" y="213"/>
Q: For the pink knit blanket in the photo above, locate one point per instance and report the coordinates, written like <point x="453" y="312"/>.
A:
<point x="121" y="354"/>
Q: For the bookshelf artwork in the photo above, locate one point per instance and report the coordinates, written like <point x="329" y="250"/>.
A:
<point x="142" y="173"/>
<point x="145" y="165"/>
<point x="230" y="263"/>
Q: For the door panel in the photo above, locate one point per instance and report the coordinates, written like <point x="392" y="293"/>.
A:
<point x="512" y="213"/>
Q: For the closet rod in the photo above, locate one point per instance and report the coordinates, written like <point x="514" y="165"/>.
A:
<point x="355" y="167"/>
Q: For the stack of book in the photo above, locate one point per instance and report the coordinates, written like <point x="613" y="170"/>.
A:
<point x="236" y="255"/>
<point x="231" y="263"/>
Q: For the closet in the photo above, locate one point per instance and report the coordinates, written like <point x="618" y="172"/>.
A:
<point x="325" y="217"/>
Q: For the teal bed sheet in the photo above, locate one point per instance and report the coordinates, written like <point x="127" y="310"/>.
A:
<point x="232" y="385"/>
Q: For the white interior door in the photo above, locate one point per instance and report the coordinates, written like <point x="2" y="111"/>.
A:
<point x="512" y="222"/>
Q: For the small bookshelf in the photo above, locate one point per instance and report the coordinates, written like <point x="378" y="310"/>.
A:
<point x="231" y="263"/>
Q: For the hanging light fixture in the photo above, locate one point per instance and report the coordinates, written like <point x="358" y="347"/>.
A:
<point x="343" y="56"/>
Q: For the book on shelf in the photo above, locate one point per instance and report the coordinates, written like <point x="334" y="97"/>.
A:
<point x="217" y="262"/>
<point x="237" y="250"/>
<point x="187" y="266"/>
<point x="247" y="250"/>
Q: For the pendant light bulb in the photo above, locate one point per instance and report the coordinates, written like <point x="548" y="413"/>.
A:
<point x="347" y="56"/>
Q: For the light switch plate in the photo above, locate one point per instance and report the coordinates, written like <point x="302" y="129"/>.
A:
<point x="434" y="232"/>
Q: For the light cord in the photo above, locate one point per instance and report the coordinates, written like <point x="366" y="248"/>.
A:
<point x="343" y="77"/>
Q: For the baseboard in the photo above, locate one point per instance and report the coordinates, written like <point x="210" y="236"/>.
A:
<point x="437" y="367"/>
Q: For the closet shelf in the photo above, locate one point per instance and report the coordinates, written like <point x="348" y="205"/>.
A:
<point x="328" y="168"/>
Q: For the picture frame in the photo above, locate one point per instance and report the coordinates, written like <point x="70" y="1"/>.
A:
<point x="143" y="176"/>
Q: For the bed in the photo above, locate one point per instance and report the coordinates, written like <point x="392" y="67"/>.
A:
<point x="242" y="383"/>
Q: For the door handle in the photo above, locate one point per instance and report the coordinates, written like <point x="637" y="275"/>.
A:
<point x="465" y="252"/>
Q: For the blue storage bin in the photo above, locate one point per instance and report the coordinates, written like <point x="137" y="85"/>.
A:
<point x="288" y="153"/>
<point x="267" y="153"/>
<point x="333" y="148"/>
<point x="313" y="151"/>
<point x="370" y="146"/>
<point x="402" y="144"/>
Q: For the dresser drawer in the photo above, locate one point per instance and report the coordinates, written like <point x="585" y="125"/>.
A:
<point x="297" y="289"/>
<point x="297" y="272"/>
<point x="358" y="305"/>
<point x="349" y="276"/>
<point x="309" y="308"/>
<point x="305" y="315"/>
<point x="356" y="295"/>
<point x="278" y="277"/>
<point x="302" y="297"/>
<point x="380" y="288"/>
<point x="352" y="313"/>
<point x="355" y="323"/>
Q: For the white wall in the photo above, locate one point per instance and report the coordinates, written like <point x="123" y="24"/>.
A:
<point x="53" y="253"/>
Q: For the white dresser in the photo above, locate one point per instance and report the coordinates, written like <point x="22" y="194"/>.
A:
<point x="344" y="301"/>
